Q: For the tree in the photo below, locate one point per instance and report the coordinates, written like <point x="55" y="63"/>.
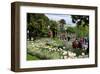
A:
<point x="62" y="29"/>
<point x="37" y="24"/>
<point x="62" y="23"/>
<point x="53" y="27"/>
<point x="71" y="29"/>
<point x="83" y="31"/>
<point x="80" y="20"/>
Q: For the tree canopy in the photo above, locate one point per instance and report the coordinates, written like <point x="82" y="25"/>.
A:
<point x="40" y="24"/>
<point x="80" y="20"/>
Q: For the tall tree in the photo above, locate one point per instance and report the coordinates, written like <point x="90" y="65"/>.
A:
<point x="62" y="23"/>
<point x="80" y="20"/>
<point x="37" y="23"/>
<point x="53" y="26"/>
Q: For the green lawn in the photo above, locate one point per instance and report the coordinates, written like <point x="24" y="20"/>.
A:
<point x="31" y="57"/>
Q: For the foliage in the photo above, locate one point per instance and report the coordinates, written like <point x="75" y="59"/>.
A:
<point x="83" y="31"/>
<point x="31" y="57"/>
<point x="62" y="23"/>
<point x="44" y="47"/>
<point x="37" y="22"/>
<point x="53" y="27"/>
<point x="80" y="20"/>
<point x="71" y="29"/>
<point x="40" y="23"/>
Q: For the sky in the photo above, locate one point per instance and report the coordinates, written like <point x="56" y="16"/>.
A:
<point x="58" y="17"/>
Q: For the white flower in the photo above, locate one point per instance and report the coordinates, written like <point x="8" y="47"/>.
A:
<point x="83" y="54"/>
<point x="64" y="52"/>
<point x="54" y="49"/>
<point x="50" y="48"/>
<point x="33" y="45"/>
<point x="65" y="57"/>
<point x="71" y="54"/>
<point x="63" y="47"/>
<point x="74" y="54"/>
<point x="60" y="49"/>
